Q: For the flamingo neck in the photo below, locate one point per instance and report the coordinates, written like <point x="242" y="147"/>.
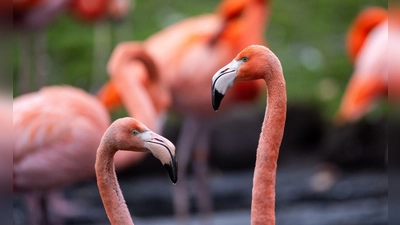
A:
<point x="256" y="19"/>
<point x="135" y="82"/>
<point x="248" y="28"/>
<point x="110" y="192"/>
<point x="263" y="196"/>
<point x="254" y="23"/>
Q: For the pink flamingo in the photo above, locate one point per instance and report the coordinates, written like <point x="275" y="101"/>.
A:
<point x="367" y="44"/>
<point x="130" y="135"/>
<point x="56" y="134"/>
<point x="258" y="62"/>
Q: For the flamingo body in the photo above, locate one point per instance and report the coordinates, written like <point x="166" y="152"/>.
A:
<point x="210" y="38"/>
<point x="213" y="39"/>
<point x="56" y="134"/>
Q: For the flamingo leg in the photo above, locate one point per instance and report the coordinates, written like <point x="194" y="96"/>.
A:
<point x="200" y="168"/>
<point x="37" y="209"/>
<point x="40" y="51"/>
<point x="27" y="55"/>
<point x="193" y="143"/>
<point x="25" y="62"/>
<point x="101" y="50"/>
<point x="187" y="136"/>
<point x="62" y="207"/>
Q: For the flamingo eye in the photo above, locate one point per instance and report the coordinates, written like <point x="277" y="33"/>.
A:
<point x="135" y="132"/>
<point x="245" y="59"/>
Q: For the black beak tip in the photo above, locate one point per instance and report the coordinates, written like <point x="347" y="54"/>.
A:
<point x="172" y="171"/>
<point x="216" y="99"/>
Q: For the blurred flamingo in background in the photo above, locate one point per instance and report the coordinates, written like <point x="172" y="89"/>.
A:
<point x="56" y="133"/>
<point x="188" y="53"/>
<point x="361" y="27"/>
<point x="367" y="45"/>
<point x="258" y="62"/>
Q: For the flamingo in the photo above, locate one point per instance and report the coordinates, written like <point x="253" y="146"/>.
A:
<point x="56" y="134"/>
<point x="367" y="44"/>
<point x="212" y="38"/>
<point x="53" y="121"/>
<point x="258" y="62"/>
<point x="131" y="135"/>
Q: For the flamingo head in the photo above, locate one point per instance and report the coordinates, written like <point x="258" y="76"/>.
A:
<point x="365" y="21"/>
<point x="131" y="135"/>
<point x="249" y="64"/>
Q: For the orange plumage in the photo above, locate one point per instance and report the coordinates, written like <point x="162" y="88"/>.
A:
<point x="367" y="44"/>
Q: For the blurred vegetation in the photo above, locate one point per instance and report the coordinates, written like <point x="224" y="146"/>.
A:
<point x="307" y="36"/>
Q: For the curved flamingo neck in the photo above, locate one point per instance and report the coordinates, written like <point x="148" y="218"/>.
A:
<point x="263" y="196"/>
<point x="110" y="192"/>
<point x="109" y="94"/>
<point x="248" y="28"/>
<point x="127" y="86"/>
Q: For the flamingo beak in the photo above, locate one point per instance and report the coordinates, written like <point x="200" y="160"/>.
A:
<point x="164" y="151"/>
<point x="216" y="98"/>
<point x="221" y="81"/>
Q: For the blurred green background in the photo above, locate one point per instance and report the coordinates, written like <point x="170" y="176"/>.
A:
<point x="307" y="36"/>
